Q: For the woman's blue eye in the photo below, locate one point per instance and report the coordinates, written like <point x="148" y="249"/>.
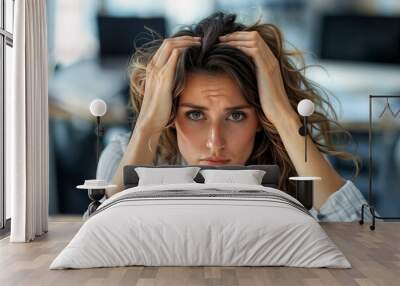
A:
<point x="238" y="116"/>
<point x="194" y="115"/>
<point x="198" y="115"/>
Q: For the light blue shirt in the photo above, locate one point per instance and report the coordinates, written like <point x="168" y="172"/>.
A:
<point x="343" y="205"/>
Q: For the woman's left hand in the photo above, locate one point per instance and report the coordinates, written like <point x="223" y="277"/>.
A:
<point x="273" y="97"/>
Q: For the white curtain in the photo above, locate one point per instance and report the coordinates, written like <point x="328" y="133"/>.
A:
<point x="27" y="123"/>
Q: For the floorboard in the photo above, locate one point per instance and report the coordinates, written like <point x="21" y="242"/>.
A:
<point x="374" y="255"/>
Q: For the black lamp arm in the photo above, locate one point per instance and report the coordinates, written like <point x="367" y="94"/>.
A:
<point x="99" y="132"/>
<point x="303" y="132"/>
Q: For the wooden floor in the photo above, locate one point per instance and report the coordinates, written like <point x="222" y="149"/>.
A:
<point x="374" y="255"/>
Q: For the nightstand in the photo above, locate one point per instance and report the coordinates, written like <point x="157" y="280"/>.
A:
<point x="96" y="191"/>
<point x="305" y="190"/>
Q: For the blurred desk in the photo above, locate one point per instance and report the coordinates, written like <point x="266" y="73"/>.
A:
<point x="352" y="83"/>
<point x="72" y="88"/>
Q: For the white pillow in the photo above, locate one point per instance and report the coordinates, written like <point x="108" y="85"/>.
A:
<point x="249" y="177"/>
<point x="162" y="176"/>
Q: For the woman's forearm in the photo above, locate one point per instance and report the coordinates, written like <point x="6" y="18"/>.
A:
<point x="140" y="150"/>
<point x="316" y="164"/>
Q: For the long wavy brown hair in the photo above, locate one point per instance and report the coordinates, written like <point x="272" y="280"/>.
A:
<point x="213" y="58"/>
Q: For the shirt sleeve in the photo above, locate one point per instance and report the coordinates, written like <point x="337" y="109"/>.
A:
<point x="343" y="205"/>
<point x="109" y="160"/>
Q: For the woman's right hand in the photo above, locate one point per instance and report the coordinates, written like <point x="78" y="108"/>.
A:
<point x="157" y="100"/>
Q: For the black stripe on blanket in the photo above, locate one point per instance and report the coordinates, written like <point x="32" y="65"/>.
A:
<point x="205" y="193"/>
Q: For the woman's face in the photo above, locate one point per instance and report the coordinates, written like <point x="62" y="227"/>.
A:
<point x="214" y="124"/>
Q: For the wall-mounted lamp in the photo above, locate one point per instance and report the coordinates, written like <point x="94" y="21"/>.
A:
<point x="305" y="108"/>
<point x="98" y="108"/>
<point x="305" y="185"/>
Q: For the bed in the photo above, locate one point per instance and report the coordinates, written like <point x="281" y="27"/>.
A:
<point x="201" y="224"/>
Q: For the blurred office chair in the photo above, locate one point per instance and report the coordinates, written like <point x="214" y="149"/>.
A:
<point x="119" y="36"/>
<point x="355" y="37"/>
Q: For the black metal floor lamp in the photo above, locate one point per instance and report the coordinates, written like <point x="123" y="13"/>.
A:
<point x="369" y="205"/>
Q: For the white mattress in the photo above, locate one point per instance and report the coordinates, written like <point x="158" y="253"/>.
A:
<point x="183" y="231"/>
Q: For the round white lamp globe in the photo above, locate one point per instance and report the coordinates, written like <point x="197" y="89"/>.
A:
<point x="305" y="107"/>
<point x="98" y="107"/>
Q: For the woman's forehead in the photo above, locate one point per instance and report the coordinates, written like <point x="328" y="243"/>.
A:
<point x="211" y="88"/>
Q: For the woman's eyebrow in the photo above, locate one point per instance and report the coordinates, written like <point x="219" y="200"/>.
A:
<point x="205" y="108"/>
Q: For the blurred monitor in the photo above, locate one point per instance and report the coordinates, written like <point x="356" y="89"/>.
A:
<point x="118" y="34"/>
<point x="360" y="38"/>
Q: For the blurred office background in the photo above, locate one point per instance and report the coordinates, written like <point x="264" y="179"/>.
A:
<point x="91" y="41"/>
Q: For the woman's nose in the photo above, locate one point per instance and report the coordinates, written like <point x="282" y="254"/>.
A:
<point x="216" y="140"/>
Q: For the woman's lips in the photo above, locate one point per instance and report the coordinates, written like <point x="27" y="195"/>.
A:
<point x="215" y="162"/>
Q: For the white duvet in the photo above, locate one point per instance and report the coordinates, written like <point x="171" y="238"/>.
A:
<point x="183" y="231"/>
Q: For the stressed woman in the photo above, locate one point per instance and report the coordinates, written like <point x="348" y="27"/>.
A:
<point x="220" y="92"/>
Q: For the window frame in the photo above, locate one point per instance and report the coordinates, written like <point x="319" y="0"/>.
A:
<point x="6" y="39"/>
